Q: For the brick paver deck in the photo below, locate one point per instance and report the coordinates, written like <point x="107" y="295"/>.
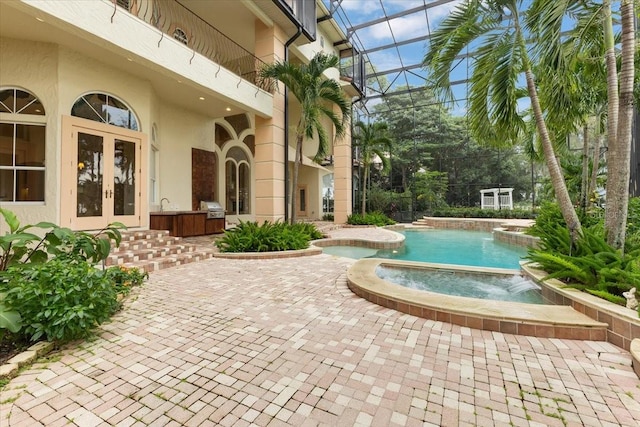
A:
<point x="284" y="342"/>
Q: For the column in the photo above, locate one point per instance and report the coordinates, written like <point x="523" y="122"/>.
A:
<point x="269" y="155"/>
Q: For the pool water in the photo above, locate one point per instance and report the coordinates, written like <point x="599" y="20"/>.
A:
<point x="484" y="286"/>
<point x="458" y="247"/>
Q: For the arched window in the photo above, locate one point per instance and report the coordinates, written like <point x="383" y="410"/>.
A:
<point x="181" y="36"/>
<point x="22" y="146"/>
<point x="105" y="108"/>
<point x="238" y="182"/>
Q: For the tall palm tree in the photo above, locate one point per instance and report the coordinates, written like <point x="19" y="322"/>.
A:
<point x="317" y="97"/>
<point x="501" y="59"/>
<point x="372" y="139"/>
<point x="550" y="22"/>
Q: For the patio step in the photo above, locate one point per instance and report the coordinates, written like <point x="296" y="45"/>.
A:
<point x="153" y="250"/>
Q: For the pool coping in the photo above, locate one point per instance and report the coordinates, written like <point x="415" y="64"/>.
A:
<point x="623" y="323"/>
<point x="540" y="320"/>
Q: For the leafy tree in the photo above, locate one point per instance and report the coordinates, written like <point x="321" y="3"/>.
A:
<point x="502" y="59"/>
<point x="317" y="96"/>
<point x="372" y="140"/>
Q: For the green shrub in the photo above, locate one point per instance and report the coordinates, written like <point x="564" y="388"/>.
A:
<point x="124" y="278"/>
<point x="587" y="263"/>
<point x="20" y="246"/>
<point x="268" y="237"/>
<point x="61" y="299"/>
<point x="457" y="212"/>
<point x="371" y="218"/>
<point x="327" y="217"/>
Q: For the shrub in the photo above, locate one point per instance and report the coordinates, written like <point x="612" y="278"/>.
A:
<point x="268" y="237"/>
<point x="124" y="278"/>
<point x="20" y="246"/>
<point x="371" y="218"/>
<point x="60" y="300"/>
<point x="588" y="263"/>
<point x="457" y="212"/>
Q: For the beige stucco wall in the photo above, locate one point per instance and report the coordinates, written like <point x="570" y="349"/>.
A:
<point x="34" y="67"/>
<point x="181" y="131"/>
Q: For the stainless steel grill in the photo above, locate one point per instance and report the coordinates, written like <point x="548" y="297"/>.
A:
<point x="214" y="209"/>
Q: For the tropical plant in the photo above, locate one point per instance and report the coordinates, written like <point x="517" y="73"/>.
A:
<point x="588" y="262"/>
<point x="21" y="246"/>
<point x="501" y="59"/>
<point x="317" y="97"/>
<point x="268" y="237"/>
<point x="593" y="34"/>
<point x="59" y="300"/>
<point x="372" y="140"/>
<point x="371" y="218"/>
<point x="124" y="278"/>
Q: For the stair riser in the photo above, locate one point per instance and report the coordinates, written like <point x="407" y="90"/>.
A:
<point x="155" y="250"/>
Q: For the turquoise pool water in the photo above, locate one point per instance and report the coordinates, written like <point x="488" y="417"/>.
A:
<point x="445" y="247"/>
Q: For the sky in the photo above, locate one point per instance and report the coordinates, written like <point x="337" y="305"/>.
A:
<point x="414" y="25"/>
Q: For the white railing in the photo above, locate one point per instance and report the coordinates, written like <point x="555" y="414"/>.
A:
<point x="496" y="198"/>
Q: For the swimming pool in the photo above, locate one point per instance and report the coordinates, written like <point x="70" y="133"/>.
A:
<point x="458" y="247"/>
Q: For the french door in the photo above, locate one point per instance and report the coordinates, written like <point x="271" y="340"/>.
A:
<point x="102" y="175"/>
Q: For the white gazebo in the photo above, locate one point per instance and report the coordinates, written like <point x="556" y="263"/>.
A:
<point x="496" y="198"/>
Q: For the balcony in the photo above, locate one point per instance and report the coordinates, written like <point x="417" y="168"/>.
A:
<point x="176" y="21"/>
<point x="352" y="70"/>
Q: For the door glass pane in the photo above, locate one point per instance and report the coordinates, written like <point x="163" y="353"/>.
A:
<point x="90" y="175"/>
<point x="231" y="186"/>
<point x="124" y="178"/>
<point x="244" y="186"/>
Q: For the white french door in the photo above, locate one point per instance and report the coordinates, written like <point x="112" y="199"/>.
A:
<point x="102" y="175"/>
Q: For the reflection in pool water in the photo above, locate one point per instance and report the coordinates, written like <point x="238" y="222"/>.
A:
<point x="466" y="284"/>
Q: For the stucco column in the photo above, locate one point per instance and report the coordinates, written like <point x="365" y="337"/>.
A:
<point x="342" y="176"/>
<point x="269" y="154"/>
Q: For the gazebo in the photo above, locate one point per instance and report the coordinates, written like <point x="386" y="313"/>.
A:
<point x="496" y="198"/>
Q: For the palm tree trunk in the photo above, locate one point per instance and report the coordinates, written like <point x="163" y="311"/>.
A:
<point x="557" y="179"/>
<point x="619" y="154"/>
<point x="555" y="173"/>
<point x="294" y="178"/>
<point x="593" y="183"/>
<point x="364" y="189"/>
<point x="584" y="187"/>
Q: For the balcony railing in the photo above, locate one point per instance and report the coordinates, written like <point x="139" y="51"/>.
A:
<point x="352" y="68"/>
<point x="180" y="23"/>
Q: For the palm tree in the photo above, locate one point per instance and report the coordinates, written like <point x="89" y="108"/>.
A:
<point x="501" y="59"/>
<point x="372" y="140"/>
<point x="317" y="97"/>
<point x="549" y="22"/>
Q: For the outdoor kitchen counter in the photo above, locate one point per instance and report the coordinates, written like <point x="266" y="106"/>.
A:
<point x="186" y="223"/>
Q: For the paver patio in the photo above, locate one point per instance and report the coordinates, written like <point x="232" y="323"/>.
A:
<point x="284" y="342"/>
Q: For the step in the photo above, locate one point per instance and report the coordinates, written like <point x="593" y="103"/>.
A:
<point x="170" y="260"/>
<point x="148" y="253"/>
<point x="152" y="250"/>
